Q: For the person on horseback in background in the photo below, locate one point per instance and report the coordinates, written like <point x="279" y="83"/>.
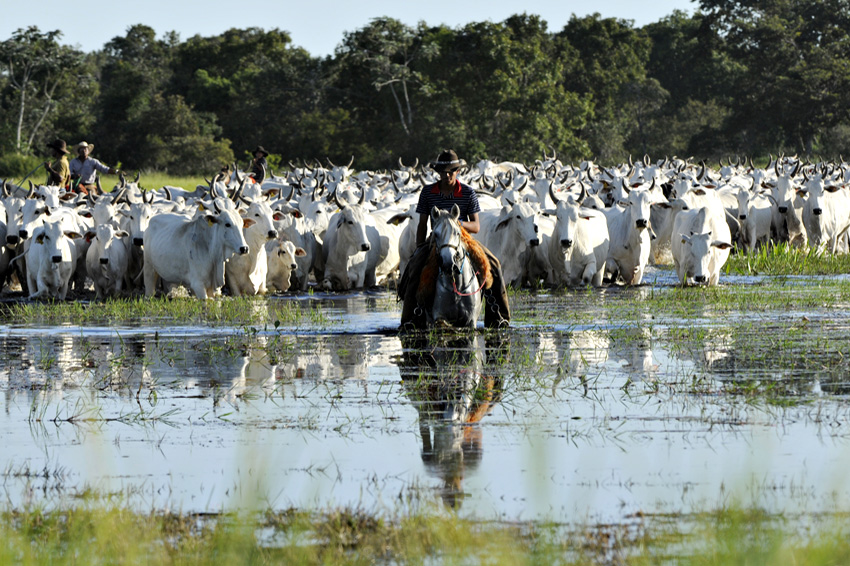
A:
<point x="443" y="194"/>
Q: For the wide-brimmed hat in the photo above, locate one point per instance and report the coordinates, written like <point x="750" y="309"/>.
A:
<point x="59" y="145"/>
<point x="84" y="144"/>
<point x="261" y="149"/>
<point x="447" y="161"/>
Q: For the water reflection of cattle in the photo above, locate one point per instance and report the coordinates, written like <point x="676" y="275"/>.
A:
<point x="448" y="382"/>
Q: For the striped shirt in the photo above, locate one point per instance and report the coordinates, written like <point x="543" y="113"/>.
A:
<point x="463" y="196"/>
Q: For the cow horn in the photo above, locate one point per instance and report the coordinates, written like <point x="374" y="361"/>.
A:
<point x="167" y="194"/>
<point x="118" y="194"/>
<point x="97" y="184"/>
<point x="339" y="205"/>
<point x="583" y="194"/>
<point x="554" y="198"/>
<point x="362" y="197"/>
<point x="646" y="159"/>
<point x="5" y="188"/>
<point x="331" y="163"/>
<point x="138" y="176"/>
<point x="524" y="184"/>
<point x="350" y="162"/>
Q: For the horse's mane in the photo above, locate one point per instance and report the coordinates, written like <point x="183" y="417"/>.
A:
<point x="431" y="271"/>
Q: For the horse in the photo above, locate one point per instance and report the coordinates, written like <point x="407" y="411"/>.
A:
<point x="457" y="297"/>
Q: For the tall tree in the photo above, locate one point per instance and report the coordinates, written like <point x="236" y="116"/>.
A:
<point x="797" y="59"/>
<point x="35" y="65"/>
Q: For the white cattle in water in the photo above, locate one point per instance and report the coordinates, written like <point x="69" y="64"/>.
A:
<point x="192" y="251"/>
<point x="755" y="213"/>
<point x="107" y="259"/>
<point x="578" y="247"/>
<point x="245" y="274"/>
<point x="293" y="227"/>
<point x="510" y="234"/>
<point x="281" y="256"/>
<point x="360" y="248"/>
<point x="826" y="214"/>
<point x="701" y="243"/>
<point x="628" y="232"/>
<point x="51" y="260"/>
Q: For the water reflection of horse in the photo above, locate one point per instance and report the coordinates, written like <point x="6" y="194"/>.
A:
<point x="453" y="386"/>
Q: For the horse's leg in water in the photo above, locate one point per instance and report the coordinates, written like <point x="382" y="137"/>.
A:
<point x="412" y="315"/>
<point x="497" y="313"/>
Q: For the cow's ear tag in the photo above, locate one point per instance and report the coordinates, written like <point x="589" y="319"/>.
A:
<point x="210" y="221"/>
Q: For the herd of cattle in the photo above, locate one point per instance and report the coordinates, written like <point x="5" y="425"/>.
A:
<point x="549" y="223"/>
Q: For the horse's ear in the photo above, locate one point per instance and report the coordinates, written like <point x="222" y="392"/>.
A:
<point x="434" y="214"/>
<point x="455" y="211"/>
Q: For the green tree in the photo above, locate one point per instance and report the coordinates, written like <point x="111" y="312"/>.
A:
<point x="797" y="59"/>
<point x="607" y="53"/>
<point x="35" y="68"/>
<point x="174" y="139"/>
<point x="136" y="69"/>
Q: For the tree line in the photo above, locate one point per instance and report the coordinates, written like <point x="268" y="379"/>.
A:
<point x="742" y="78"/>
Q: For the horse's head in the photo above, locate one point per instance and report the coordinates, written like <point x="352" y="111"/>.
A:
<point x="447" y="239"/>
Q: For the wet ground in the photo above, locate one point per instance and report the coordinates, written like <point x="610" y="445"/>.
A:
<point x="594" y="406"/>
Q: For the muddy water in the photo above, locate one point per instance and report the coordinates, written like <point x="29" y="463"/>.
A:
<point x="582" y="411"/>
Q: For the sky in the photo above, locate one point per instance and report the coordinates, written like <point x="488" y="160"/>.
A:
<point x="316" y="25"/>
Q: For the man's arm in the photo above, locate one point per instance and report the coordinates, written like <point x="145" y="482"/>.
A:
<point x="421" y="230"/>
<point x="472" y="225"/>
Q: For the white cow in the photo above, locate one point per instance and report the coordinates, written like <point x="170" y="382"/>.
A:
<point x="192" y="251"/>
<point x="628" y="223"/>
<point x="107" y="259"/>
<point x="51" y="260"/>
<point x="510" y="234"/>
<point x="755" y="213"/>
<point x="281" y="256"/>
<point x="246" y="274"/>
<point x="360" y="249"/>
<point x="826" y="214"/>
<point x="701" y="244"/>
<point x="579" y="245"/>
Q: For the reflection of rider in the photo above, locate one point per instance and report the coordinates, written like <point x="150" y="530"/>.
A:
<point x="445" y="193"/>
<point x="452" y="397"/>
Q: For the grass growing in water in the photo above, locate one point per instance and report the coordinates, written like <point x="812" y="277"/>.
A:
<point x="237" y="311"/>
<point x="107" y="534"/>
<point x="783" y="259"/>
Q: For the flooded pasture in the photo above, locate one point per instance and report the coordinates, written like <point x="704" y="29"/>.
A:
<point x="598" y="405"/>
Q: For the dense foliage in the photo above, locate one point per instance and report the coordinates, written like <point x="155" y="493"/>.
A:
<point x="742" y="77"/>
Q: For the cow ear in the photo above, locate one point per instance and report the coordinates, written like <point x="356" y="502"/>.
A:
<point x="90" y="235"/>
<point x="502" y="224"/>
<point x="40" y="238"/>
<point x="685" y="239"/>
<point x="247" y="222"/>
<point x="299" y="252"/>
<point x="296" y="213"/>
<point x="832" y="188"/>
<point x="122" y="234"/>
<point x="278" y="216"/>
<point x="211" y="219"/>
<point x="721" y="245"/>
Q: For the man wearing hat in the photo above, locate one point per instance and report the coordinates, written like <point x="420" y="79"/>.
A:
<point x="259" y="165"/>
<point x="58" y="172"/>
<point x="443" y="194"/>
<point x="84" y="169"/>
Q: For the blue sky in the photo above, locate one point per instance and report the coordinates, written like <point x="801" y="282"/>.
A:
<point x="317" y="25"/>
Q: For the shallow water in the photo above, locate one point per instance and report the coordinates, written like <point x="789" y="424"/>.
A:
<point x="590" y="408"/>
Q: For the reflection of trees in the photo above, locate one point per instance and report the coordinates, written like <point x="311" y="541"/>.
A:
<point x="451" y="381"/>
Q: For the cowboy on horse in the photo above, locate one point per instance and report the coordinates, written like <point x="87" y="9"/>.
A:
<point x="418" y="286"/>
